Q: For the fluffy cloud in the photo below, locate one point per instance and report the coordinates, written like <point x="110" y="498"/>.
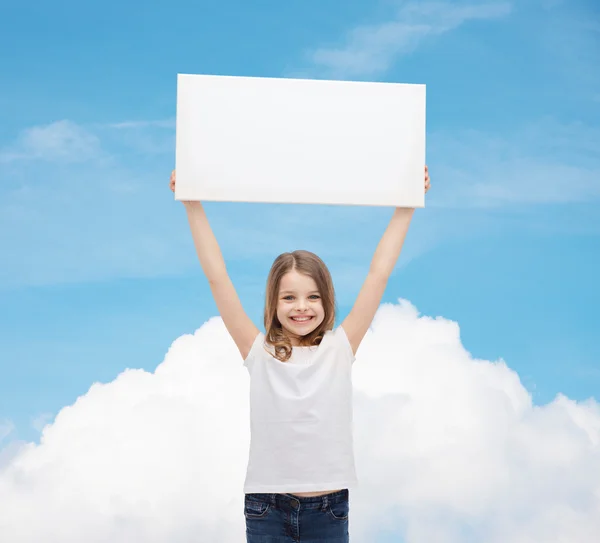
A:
<point x="544" y="162"/>
<point x="6" y="427"/>
<point x="449" y="449"/>
<point x="68" y="142"/>
<point x="371" y="49"/>
<point x="62" y="141"/>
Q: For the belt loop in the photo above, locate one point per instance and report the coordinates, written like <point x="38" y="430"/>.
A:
<point x="325" y="503"/>
<point x="274" y="500"/>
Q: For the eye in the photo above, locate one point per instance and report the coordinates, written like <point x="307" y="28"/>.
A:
<point x="315" y="296"/>
<point x="287" y="297"/>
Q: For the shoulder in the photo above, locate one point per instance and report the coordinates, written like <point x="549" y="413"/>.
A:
<point x="338" y="338"/>
<point x="256" y="350"/>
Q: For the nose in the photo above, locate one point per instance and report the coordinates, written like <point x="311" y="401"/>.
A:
<point x="301" y="306"/>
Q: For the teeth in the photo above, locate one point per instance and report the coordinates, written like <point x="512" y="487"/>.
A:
<point x="301" y="319"/>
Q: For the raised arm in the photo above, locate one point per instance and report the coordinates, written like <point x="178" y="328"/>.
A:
<point x="238" y="324"/>
<point x="386" y="255"/>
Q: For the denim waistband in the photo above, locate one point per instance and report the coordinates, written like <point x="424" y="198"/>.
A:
<point x="304" y="502"/>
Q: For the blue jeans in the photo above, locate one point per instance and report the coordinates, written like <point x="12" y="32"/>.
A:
<point x="285" y="518"/>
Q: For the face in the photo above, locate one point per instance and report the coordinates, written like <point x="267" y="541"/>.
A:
<point x="299" y="306"/>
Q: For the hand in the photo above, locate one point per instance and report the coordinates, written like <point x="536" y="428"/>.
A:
<point x="172" y="182"/>
<point x="408" y="211"/>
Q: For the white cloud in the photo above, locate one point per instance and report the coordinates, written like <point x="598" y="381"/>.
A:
<point x="61" y="141"/>
<point x="39" y="422"/>
<point x="91" y="188"/>
<point x="160" y="123"/>
<point x="67" y="141"/>
<point x="146" y="137"/>
<point x="371" y="49"/>
<point x="449" y="449"/>
<point x="9" y="452"/>
<point x="543" y="162"/>
<point x="6" y="428"/>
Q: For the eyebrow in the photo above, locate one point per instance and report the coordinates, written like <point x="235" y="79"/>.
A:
<point x="294" y="292"/>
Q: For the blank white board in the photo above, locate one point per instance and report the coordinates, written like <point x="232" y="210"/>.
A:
<point x="301" y="141"/>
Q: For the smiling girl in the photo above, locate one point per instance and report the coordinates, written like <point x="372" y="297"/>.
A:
<point x="301" y="462"/>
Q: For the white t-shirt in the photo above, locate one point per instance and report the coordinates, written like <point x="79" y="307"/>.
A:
<point x="301" y="418"/>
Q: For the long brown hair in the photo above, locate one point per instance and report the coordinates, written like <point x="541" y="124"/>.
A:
<point x="308" y="264"/>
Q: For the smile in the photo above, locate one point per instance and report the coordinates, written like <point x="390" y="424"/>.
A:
<point x="301" y="319"/>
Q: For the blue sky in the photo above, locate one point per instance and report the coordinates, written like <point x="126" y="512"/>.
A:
<point x="99" y="273"/>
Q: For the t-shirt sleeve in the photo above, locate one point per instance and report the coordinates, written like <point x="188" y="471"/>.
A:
<point x="344" y="343"/>
<point x="255" y="351"/>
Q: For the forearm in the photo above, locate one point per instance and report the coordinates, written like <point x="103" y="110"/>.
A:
<point x="387" y="252"/>
<point x="207" y="247"/>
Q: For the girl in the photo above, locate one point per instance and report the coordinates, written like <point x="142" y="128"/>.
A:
<point x="301" y="449"/>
